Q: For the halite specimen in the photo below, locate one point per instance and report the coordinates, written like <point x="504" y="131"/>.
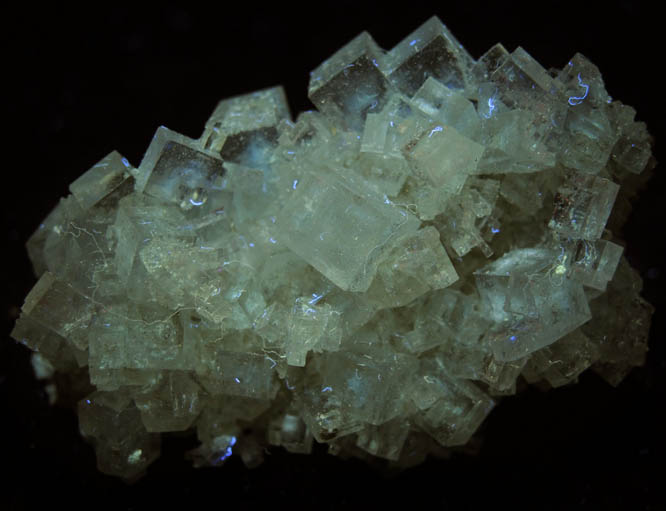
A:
<point x="374" y="274"/>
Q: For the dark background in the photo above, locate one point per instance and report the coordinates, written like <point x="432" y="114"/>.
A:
<point x="82" y="83"/>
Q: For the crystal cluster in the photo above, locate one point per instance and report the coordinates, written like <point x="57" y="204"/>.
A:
<point x="373" y="275"/>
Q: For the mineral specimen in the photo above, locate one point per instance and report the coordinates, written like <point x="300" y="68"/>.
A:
<point x="373" y="275"/>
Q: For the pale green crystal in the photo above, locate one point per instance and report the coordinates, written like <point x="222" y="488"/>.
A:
<point x="339" y="232"/>
<point x="371" y="274"/>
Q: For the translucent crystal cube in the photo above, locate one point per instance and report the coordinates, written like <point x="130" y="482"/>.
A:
<point x="290" y="432"/>
<point x="589" y="134"/>
<point x="582" y="83"/>
<point x="129" y="344"/>
<point x="100" y="180"/>
<point x="56" y="349"/>
<point x="249" y="112"/>
<point x="312" y="326"/>
<point x="252" y="192"/>
<point x="582" y="206"/>
<point x="593" y="263"/>
<point x="75" y="244"/>
<point x="349" y="85"/>
<point x="56" y="306"/>
<point x="430" y="51"/>
<point x="530" y="301"/>
<point x="448" y="107"/>
<point x="122" y="445"/>
<point x="384" y="441"/>
<point x="514" y="144"/>
<point x="451" y="410"/>
<point x="522" y="83"/>
<point x="386" y="174"/>
<point x="417" y="264"/>
<point x="238" y="374"/>
<point x="562" y="362"/>
<point x="338" y="232"/>
<point x="445" y="157"/>
<point x="489" y="62"/>
<point x="171" y="404"/>
<point x="176" y="169"/>
<point x="243" y="129"/>
<point x="353" y="390"/>
<point x="633" y="150"/>
<point x="523" y="192"/>
<point x="374" y="134"/>
<point x="522" y="80"/>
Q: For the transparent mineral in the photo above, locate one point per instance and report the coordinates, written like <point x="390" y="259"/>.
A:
<point x="376" y="274"/>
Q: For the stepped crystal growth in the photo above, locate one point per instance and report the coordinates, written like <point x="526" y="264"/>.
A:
<point x="373" y="275"/>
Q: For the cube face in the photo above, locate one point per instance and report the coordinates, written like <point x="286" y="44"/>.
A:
<point x="417" y="264"/>
<point x="122" y="445"/>
<point x="243" y="129"/>
<point x="446" y="169"/>
<point x="385" y="441"/>
<point x="562" y="362"/>
<point x="583" y="205"/>
<point x="589" y="136"/>
<point x="250" y="112"/>
<point x="171" y="404"/>
<point x="521" y="80"/>
<point x="514" y="143"/>
<point x="238" y="374"/>
<point x="633" y="152"/>
<point x="311" y="327"/>
<point x="339" y="233"/>
<point x="530" y="305"/>
<point x="448" y="107"/>
<point x="350" y="84"/>
<point x="374" y="134"/>
<point x="176" y="169"/>
<point x="136" y="340"/>
<point x="451" y="410"/>
<point x="55" y="348"/>
<point x="74" y="244"/>
<point x="489" y="62"/>
<point x="353" y="390"/>
<point x="250" y="148"/>
<point x="583" y="83"/>
<point x="142" y="223"/>
<point x="291" y="433"/>
<point x="184" y="175"/>
<point x="386" y="174"/>
<point x="55" y="305"/>
<point x="101" y="180"/>
<point x="592" y="263"/>
<point x="429" y="51"/>
<point x="522" y="84"/>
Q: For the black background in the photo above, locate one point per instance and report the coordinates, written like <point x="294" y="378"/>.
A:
<point x="82" y="83"/>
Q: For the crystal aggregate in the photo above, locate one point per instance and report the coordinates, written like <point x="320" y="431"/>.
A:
<point x="375" y="274"/>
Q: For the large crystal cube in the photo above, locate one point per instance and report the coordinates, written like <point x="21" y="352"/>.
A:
<point x="430" y="51"/>
<point x="340" y="233"/>
<point x="350" y="84"/>
<point x="176" y="169"/>
<point x="530" y="302"/>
